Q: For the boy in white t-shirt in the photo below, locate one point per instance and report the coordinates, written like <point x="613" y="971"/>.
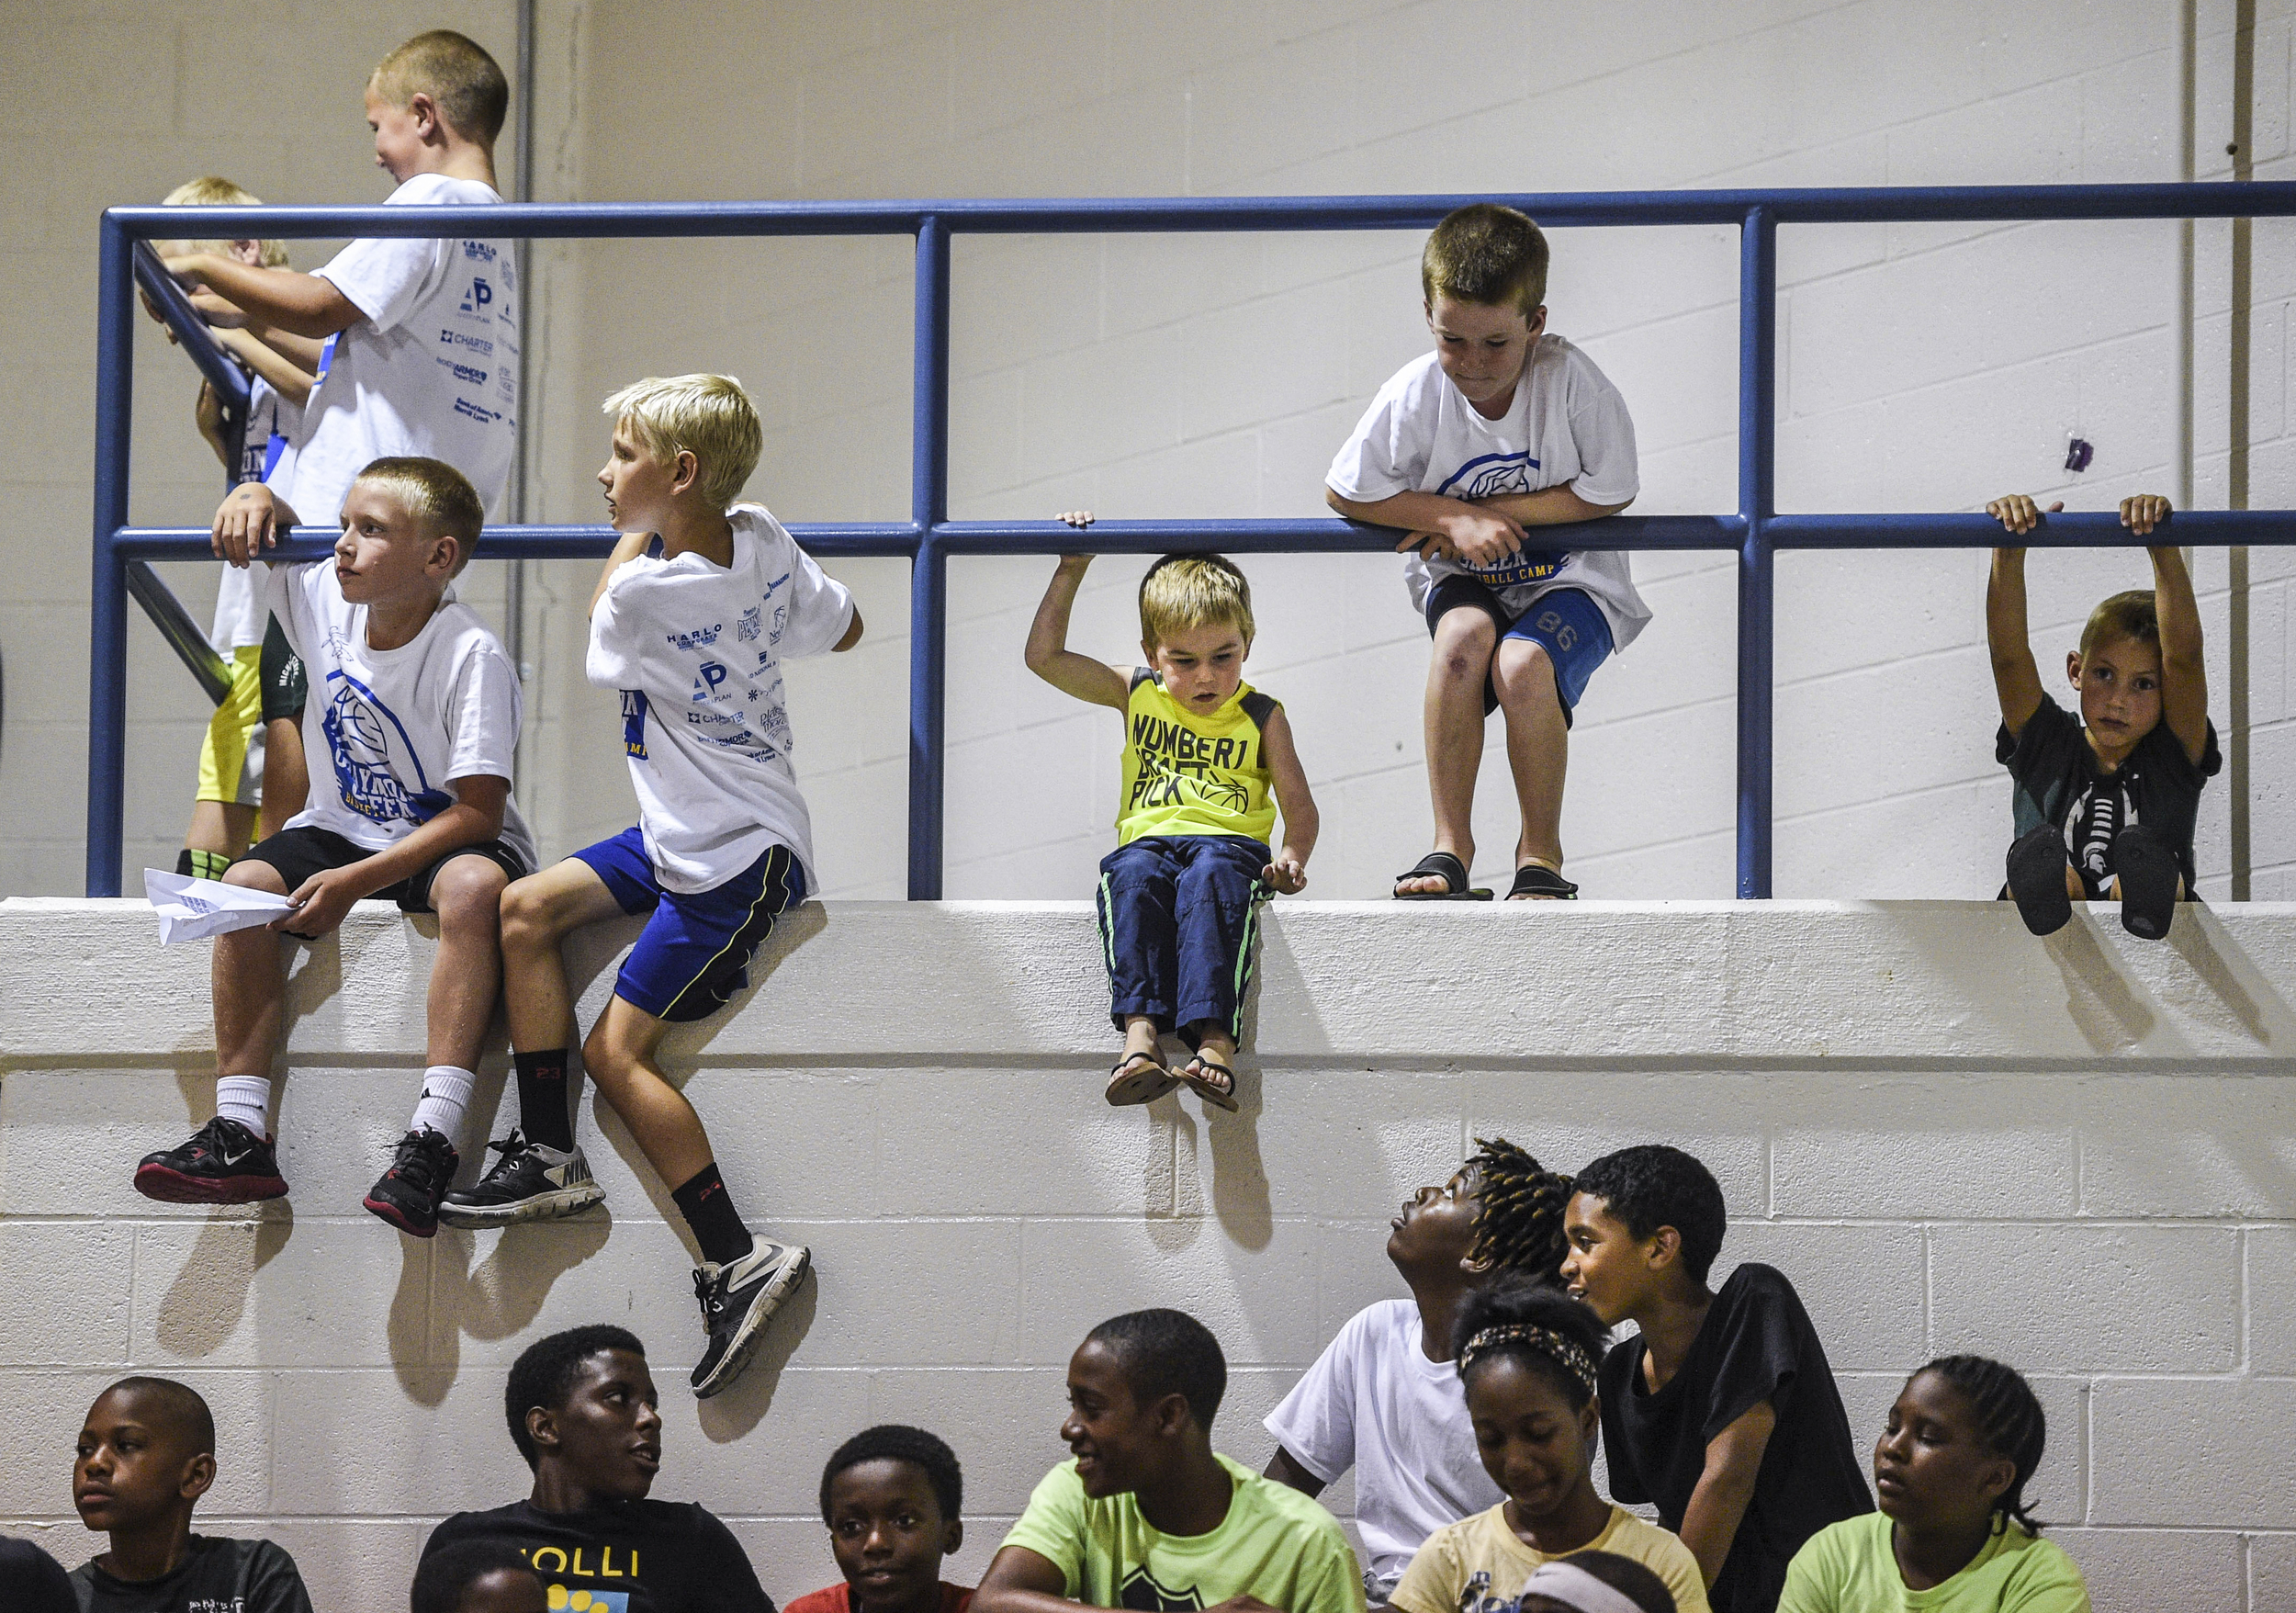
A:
<point x="1501" y="430"/>
<point x="421" y="335"/>
<point x="1384" y="1398"/>
<point x="251" y="758"/>
<point x="415" y="714"/>
<point x="696" y="609"/>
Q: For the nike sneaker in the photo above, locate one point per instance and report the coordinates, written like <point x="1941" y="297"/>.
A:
<point x="408" y="1194"/>
<point x="736" y="1300"/>
<point x="529" y="1182"/>
<point x="223" y="1163"/>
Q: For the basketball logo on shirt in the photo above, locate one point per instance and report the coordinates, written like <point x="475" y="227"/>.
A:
<point x="1142" y="1594"/>
<point x="1492" y="476"/>
<point x="373" y="755"/>
<point x="559" y="1599"/>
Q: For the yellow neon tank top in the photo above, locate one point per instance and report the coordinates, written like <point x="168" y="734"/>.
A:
<point x="1189" y="774"/>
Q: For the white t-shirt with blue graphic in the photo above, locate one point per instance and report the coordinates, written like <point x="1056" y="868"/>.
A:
<point x="240" y="614"/>
<point x="1567" y="423"/>
<point x="430" y="371"/>
<point x="388" y="730"/>
<point x="695" y="648"/>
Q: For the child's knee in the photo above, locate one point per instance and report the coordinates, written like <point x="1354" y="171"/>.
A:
<point x="466" y="895"/>
<point x="1524" y="674"/>
<point x="526" y="912"/>
<point x="257" y="877"/>
<point x="1464" y="640"/>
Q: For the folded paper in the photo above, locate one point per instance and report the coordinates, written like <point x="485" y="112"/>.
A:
<point x="193" y="910"/>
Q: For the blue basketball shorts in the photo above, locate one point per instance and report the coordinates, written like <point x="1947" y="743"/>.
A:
<point x="694" y="953"/>
<point x="1564" y="622"/>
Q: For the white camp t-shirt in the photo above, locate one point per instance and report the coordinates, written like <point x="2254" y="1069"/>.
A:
<point x="395" y="726"/>
<point x="1567" y="423"/>
<point x="1374" y="1402"/>
<point x="240" y="613"/>
<point x="695" y="648"/>
<point x="430" y="371"/>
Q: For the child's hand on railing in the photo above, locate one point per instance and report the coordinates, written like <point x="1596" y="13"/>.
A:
<point x="245" y="524"/>
<point x="1076" y="518"/>
<point x="2143" y="512"/>
<point x="2019" y="513"/>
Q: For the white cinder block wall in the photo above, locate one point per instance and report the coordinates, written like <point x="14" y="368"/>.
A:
<point x="2077" y="1155"/>
<point x="1921" y="368"/>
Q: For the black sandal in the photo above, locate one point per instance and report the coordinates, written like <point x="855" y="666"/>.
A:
<point x="1447" y="868"/>
<point x="1215" y="1085"/>
<point x="1536" y="879"/>
<point x="1142" y="1085"/>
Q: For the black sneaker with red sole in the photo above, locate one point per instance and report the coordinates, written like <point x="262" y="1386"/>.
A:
<point x="408" y="1194"/>
<point x="223" y="1163"/>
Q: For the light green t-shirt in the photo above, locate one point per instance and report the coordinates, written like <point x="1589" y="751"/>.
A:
<point x="1275" y="1544"/>
<point x="1478" y="1565"/>
<point x="1849" y="1567"/>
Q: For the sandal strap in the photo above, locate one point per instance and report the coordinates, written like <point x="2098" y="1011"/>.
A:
<point x="1538" y="879"/>
<point x="1440" y="865"/>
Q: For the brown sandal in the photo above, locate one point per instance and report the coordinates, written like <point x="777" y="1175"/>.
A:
<point x="1216" y="1083"/>
<point x="1132" y="1081"/>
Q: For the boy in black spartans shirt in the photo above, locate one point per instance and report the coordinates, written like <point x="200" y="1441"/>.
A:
<point x="144" y="1458"/>
<point x="584" y="1413"/>
<point x="2105" y="800"/>
<point x="1724" y="1412"/>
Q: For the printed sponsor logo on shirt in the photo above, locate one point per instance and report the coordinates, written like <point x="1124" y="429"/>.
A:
<point x="478" y="299"/>
<point x="752" y="624"/>
<point x="459" y="339"/>
<point x="1142" y="1593"/>
<point x="697" y="637"/>
<point x="479" y="250"/>
<point x="1179" y="764"/>
<point x="463" y="372"/>
<point x="485" y="416"/>
<point x="1491" y="476"/>
<point x="713" y="673"/>
<point x="216" y="1605"/>
<point x="371" y="750"/>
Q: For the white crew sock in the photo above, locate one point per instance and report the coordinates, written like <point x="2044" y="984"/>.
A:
<point x="445" y="1094"/>
<point x="247" y="1100"/>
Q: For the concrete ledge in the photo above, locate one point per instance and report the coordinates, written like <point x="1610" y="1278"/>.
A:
<point x="1765" y="983"/>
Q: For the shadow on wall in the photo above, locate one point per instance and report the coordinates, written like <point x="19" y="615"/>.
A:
<point x="208" y="1300"/>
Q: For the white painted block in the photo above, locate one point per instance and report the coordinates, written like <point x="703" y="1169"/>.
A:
<point x="2184" y="1452"/>
<point x="2136" y="1571"/>
<point x="1836" y="1167"/>
<point x="2129" y="1298"/>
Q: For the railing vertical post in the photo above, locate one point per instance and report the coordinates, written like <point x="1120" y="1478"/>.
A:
<point x="928" y="572"/>
<point x="1757" y="499"/>
<point x="107" y="581"/>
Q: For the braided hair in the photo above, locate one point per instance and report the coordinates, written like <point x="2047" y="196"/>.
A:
<point x="1519" y="1227"/>
<point x="2009" y="1417"/>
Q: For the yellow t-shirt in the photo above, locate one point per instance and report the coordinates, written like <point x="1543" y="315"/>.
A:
<point x="1849" y="1567"/>
<point x="1478" y="1565"/>
<point x="1190" y="775"/>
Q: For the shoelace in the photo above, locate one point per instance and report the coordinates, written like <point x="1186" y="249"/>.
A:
<point x="508" y="1147"/>
<point x="419" y="1162"/>
<point x="711" y="1292"/>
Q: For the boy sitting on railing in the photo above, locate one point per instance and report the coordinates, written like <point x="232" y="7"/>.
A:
<point x="2106" y="801"/>
<point x="1503" y="428"/>
<point x="421" y="335"/>
<point x="1208" y="760"/>
<point x="698" y="607"/>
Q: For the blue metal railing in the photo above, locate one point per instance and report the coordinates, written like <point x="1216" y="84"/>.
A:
<point x="1756" y="532"/>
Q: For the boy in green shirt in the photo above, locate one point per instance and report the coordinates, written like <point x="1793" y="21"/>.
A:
<point x="1147" y="1515"/>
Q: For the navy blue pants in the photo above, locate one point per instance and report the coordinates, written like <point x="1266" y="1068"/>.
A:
<point x="1176" y="923"/>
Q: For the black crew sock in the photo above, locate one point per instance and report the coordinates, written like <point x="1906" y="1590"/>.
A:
<point x="542" y="1098"/>
<point x="709" y="1210"/>
<point x="201" y="864"/>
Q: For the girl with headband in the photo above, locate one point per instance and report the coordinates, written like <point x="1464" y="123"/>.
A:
<point x="1527" y="1358"/>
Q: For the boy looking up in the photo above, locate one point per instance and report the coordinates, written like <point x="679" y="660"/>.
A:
<point x="1208" y="760"/>
<point x="893" y="1497"/>
<point x="2105" y="802"/>
<point x="696" y="609"/>
<point x="145" y="1457"/>
<point x="421" y="335"/>
<point x="1504" y="428"/>
<point x="1384" y="1398"/>
<point x="1147" y="1514"/>
<point x="1723" y="1413"/>
<point x="584" y="1413"/>
<point x="417" y="715"/>
<point x="252" y="759"/>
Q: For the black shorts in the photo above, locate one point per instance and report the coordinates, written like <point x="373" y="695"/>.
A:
<point x="1564" y="622"/>
<point x="284" y="686"/>
<point x="297" y="853"/>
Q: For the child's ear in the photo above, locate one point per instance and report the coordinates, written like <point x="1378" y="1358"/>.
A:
<point x="1665" y="1247"/>
<point x="446" y="550"/>
<point x="1537" y="321"/>
<point x="541" y="1427"/>
<point x="684" y="471"/>
<point x="951" y="1538"/>
<point x="2073" y="668"/>
<point x="199" y="1473"/>
<point x="424" y="111"/>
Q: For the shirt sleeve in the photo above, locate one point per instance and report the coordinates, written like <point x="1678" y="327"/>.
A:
<point x="1316" y="1422"/>
<point x="820" y="607"/>
<point x="1759" y="1353"/>
<point x="1625" y="1479"/>
<point x="1812" y="1579"/>
<point x="724" y="1570"/>
<point x="484" y="716"/>
<point x="1678" y="1566"/>
<point x="611" y="661"/>
<point x="1431" y="1583"/>
<point x="2036" y="752"/>
<point x="275" y="1584"/>
<point x="1053" y="1525"/>
<point x="1334" y="1585"/>
<point x="385" y="279"/>
<point x="1604" y="433"/>
<point x="1389" y="452"/>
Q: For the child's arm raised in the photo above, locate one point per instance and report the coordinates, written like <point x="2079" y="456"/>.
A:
<point x="1288" y="872"/>
<point x="1048" y="655"/>
<point x="2184" y="679"/>
<point x="287" y="379"/>
<point x="633" y="545"/>
<point x="2016" y="679"/>
<point x="1718" y="1500"/>
<point x="297" y="303"/>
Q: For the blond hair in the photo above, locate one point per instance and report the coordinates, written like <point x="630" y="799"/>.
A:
<point x="2133" y="616"/>
<point x="457" y="73"/>
<point x="208" y="191"/>
<point x="1488" y="253"/>
<point x="707" y="416"/>
<point x="436" y="494"/>
<point x="1185" y="592"/>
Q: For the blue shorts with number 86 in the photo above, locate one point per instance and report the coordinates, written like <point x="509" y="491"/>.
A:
<point x="1568" y="624"/>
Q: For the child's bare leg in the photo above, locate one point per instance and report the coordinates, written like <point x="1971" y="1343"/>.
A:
<point x="250" y="977"/>
<point x="219" y="827"/>
<point x="287" y="781"/>
<point x="1452" y="712"/>
<point x="619" y="1056"/>
<point x="538" y="912"/>
<point x="2074" y="888"/>
<point x="1539" y="747"/>
<point x="1139" y="1036"/>
<point x="467" y="894"/>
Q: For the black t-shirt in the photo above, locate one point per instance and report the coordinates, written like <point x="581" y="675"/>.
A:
<point x="215" y="1576"/>
<point x="1756" y="1344"/>
<point x="33" y="1582"/>
<point x="631" y="1556"/>
<point x="2058" y="782"/>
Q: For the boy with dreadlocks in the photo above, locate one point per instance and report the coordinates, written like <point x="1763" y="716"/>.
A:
<point x="1384" y="1398"/>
